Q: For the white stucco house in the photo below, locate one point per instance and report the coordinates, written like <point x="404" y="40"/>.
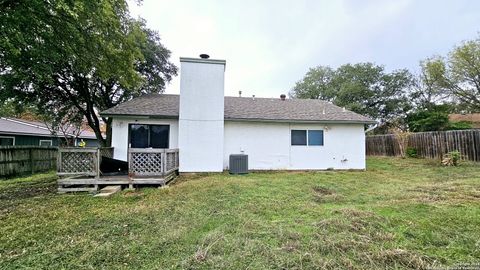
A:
<point x="207" y="126"/>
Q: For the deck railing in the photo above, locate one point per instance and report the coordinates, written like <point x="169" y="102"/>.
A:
<point x="81" y="161"/>
<point x="145" y="162"/>
<point x="142" y="162"/>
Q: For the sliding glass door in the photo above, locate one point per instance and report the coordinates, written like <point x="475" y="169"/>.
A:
<point x="149" y="136"/>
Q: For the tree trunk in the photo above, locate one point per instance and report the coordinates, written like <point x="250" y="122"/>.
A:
<point x="108" y="126"/>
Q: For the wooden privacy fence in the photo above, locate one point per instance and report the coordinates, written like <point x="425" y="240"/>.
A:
<point x="16" y="160"/>
<point x="428" y="144"/>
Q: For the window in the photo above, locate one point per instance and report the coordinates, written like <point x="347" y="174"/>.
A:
<point x="7" y="140"/>
<point x="45" y="142"/>
<point x="299" y="137"/>
<point x="315" y="137"/>
<point x="146" y="136"/>
<point x="307" y="137"/>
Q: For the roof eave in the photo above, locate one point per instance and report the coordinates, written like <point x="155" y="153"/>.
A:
<point x="139" y="116"/>
<point x="366" y="122"/>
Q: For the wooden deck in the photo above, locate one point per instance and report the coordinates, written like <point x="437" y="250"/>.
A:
<point x="79" y="168"/>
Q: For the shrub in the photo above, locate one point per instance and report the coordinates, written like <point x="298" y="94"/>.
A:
<point x="412" y="152"/>
<point x="452" y="158"/>
<point x="459" y="125"/>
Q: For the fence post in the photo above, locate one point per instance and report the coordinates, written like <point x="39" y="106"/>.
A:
<point x="59" y="160"/>
<point x="32" y="166"/>
<point x="98" y="163"/>
<point x="163" y="158"/>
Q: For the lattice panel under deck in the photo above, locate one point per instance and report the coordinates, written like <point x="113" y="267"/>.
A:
<point x="146" y="163"/>
<point x="106" y="152"/>
<point x="78" y="162"/>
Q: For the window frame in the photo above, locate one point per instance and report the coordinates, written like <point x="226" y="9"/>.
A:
<point x="307" y="142"/>
<point x="129" y="145"/>
<point x="40" y="142"/>
<point x="8" y="137"/>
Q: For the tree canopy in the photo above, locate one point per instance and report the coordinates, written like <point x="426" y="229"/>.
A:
<point x="364" y="88"/>
<point x="79" y="56"/>
<point x="458" y="74"/>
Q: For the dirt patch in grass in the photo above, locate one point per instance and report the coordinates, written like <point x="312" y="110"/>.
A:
<point x="355" y="232"/>
<point x="446" y="192"/>
<point x="401" y="258"/>
<point x="43" y="187"/>
<point x="13" y="192"/>
<point x="325" y="195"/>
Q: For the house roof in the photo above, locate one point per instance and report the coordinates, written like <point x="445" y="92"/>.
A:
<point x="473" y="118"/>
<point x="16" y="126"/>
<point x="243" y="108"/>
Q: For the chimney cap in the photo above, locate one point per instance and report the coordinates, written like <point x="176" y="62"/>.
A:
<point x="204" y="56"/>
<point x="283" y="96"/>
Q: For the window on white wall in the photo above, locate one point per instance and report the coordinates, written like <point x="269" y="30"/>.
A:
<point x="315" y="137"/>
<point x="307" y="137"/>
<point x="146" y="136"/>
<point x="299" y="137"/>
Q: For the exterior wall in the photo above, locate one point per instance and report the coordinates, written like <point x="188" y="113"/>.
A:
<point x="120" y="138"/>
<point x="201" y="121"/>
<point x="31" y="140"/>
<point x="268" y="146"/>
<point x="35" y="140"/>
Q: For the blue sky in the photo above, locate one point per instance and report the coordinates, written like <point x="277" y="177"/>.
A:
<point x="269" y="45"/>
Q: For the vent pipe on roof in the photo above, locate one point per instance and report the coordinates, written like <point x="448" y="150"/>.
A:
<point x="343" y="109"/>
<point x="204" y="56"/>
<point x="239" y="93"/>
<point x="283" y="97"/>
<point x="253" y="97"/>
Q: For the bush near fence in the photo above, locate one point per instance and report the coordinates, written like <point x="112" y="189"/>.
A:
<point x="17" y="160"/>
<point x="433" y="144"/>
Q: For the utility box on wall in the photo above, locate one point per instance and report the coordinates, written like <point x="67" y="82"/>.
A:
<point x="238" y="164"/>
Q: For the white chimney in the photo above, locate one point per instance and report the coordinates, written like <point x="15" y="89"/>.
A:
<point x="201" y="120"/>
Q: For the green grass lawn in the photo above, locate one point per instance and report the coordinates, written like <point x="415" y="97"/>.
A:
<point x="400" y="213"/>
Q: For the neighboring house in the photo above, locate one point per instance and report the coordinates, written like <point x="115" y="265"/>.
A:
<point x="22" y="132"/>
<point x="206" y="127"/>
<point x="473" y="118"/>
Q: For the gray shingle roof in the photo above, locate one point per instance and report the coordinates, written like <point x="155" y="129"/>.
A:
<point x="243" y="108"/>
<point x="16" y="126"/>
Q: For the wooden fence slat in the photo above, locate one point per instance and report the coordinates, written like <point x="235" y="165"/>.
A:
<point x="428" y="144"/>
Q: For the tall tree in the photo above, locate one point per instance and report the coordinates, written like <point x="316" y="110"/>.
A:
<point x="459" y="74"/>
<point x="82" y="54"/>
<point x="429" y="89"/>
<point x="364" y="88"/>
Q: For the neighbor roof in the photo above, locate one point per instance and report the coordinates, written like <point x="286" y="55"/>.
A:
<point x="243" y="108"/>
<point x="16" y="126"/>
<point x="473" y="118"/>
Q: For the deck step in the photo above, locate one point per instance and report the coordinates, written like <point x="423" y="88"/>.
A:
<point x="108" y="191"/>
